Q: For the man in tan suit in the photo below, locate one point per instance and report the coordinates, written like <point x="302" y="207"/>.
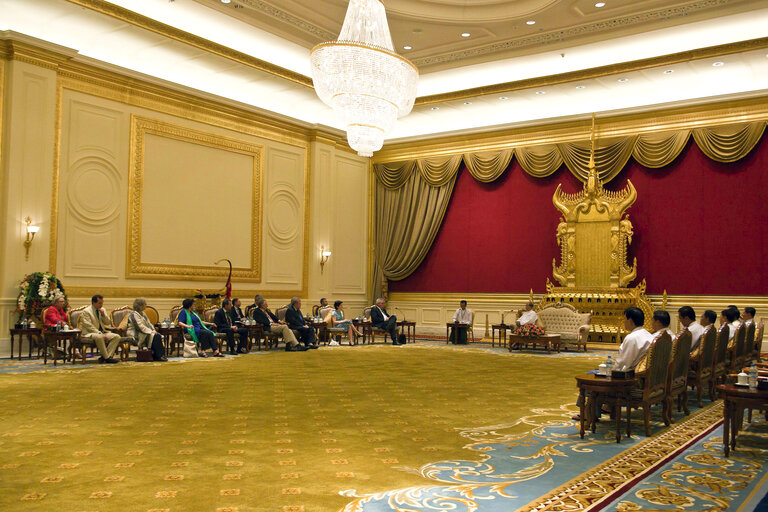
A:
<point x="93" y="324"/>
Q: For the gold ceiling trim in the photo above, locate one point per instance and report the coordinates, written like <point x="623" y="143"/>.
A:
<point x="598" y="72"/>
<point x="182" y="36"/>
<point x="653" y="121"/>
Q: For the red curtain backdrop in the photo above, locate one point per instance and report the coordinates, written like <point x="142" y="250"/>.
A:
<point x="700" y="228"/>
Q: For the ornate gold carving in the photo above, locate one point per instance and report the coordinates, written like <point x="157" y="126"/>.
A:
<point x="135" y="268"/>
<point x="176" y="34"/>
<point x="55" y="179"/>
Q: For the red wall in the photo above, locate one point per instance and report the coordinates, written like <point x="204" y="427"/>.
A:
<point x="700" y="228"/>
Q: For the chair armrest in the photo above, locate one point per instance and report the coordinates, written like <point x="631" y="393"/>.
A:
<point x="584" y="332"/>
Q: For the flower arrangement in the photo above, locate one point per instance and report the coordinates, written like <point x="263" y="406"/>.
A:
<point x="530" y="331"/>
<point x="38" y="291"/>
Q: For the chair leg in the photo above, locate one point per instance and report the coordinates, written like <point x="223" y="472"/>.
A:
<point x="647" y="419"/>
<point x="685" y="402"/>
<point x="699" y="393"/>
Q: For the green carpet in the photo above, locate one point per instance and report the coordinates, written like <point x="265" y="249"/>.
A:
<point x="270" y="431"/>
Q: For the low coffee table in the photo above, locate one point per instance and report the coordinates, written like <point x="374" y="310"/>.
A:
<point x="547" y="341"/>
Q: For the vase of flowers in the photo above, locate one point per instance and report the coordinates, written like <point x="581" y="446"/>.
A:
<point x="530" y="331"/>
<point x="37" y="291"/>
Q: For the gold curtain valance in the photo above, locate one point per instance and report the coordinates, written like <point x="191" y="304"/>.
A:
<point x="727" y="143"/>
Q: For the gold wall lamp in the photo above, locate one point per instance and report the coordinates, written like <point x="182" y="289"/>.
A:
<point x="324" y="255"/>
<point x="31" y="230"/>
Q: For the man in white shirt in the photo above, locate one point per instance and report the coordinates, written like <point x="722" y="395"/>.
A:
<point x="529" y="316"/>
<point x="461" y="316"/>
<point x="728" y="316"/>
<point x="737" y="322"/>
<point x="632" y="349"/>
<point x="687" y="317"/>
<point x="707" y="321"/>
<point x="749" y="316"/>
<point x="659" y="325"/>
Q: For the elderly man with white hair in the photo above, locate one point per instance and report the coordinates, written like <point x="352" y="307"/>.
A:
<point x="382" y="320"/>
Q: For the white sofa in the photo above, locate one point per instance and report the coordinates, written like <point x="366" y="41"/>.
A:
<point x="563" y="319"/>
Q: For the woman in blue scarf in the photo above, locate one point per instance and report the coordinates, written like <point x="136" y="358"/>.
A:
<point x="197" y="330"/>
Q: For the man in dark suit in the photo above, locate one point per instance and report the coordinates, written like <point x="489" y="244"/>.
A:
<point x="295" y="321"/>
<point x="253" y="307"/>
<point x="381" y="320"/>
<point x="272" y="324"/>
<point x="237" y="313"/>
<point x="224" y="324"/>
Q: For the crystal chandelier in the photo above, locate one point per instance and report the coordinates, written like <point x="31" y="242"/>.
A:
<point x="362" y="78"/>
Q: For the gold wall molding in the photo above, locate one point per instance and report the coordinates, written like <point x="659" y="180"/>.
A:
<point x="180" y="293"/>
<point x="134" y="267"/>
<point x="138" y="20"/>
<point x="650" y="121"/>
<point x="598" y="72"/>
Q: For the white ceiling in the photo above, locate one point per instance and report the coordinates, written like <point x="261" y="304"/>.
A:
<point x="101" y="38"/>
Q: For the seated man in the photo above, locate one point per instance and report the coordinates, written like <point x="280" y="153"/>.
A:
<point x="94" y="325"/>
<point x="461" y="316"/>
<point x="253" y="307"/>
<point x="634" y="347"/>
<point x="728" y="317"/>
<point x="707" y="321"/>
<point x="296" y="322"/>
<point x="316" y="307"/>
<point x="749" y="316"/>
<point x="687" y="317"/>
<point x="270" y="322"/>
<point x="659" y="324"/>
<point x="529" y="316"/>
<point x="737" y="321"/>
<point x="224" y="324"/>
<point x="236" y="312"/>
<point x="381" y="320"/>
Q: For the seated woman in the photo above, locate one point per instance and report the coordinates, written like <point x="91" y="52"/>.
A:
<point x="198" y="330"/>
<point x="140" y="329"/>
<point x="337" y="319"/>
<point x="55" y="314"/>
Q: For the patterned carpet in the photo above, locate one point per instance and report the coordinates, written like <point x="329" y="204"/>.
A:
<point x="366" y="428"/>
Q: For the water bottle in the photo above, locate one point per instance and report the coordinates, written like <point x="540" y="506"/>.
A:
<point x="752" y="376"/>
<point x="25" y="323"/>
<point x="58" y="326"/>
<point x="609" y="367"/>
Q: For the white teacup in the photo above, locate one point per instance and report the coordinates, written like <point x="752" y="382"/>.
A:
<point x="742" y="379"/>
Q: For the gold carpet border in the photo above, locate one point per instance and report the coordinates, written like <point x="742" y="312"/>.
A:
<point x="597" y="484"/>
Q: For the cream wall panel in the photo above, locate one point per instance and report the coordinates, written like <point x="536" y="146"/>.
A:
<point x="92" y="184"/>
<point x="284" y="205"/>
<point x="196" y="204"/>
<point x="350" y="220"/>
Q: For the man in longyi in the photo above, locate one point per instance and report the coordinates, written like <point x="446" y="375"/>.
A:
<point x="95" y="325"/>
<point x="461" y="316"/>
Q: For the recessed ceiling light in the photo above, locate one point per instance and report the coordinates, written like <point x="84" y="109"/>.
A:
<point x="580" y="86"/>
<point x="503" y="98"/>
<point x="530" y="22"/>
<point x="467" y="102"/>
<point x="718" y="64"/>
<point x="541" y="92"/>
<point x="407" y="47"/>
<point x="465" y="34"/>
<point x="600" y="4"/>
<point x="622" y="80"/>
<point x="669" y="71"/>
<point x="225" y="1"/>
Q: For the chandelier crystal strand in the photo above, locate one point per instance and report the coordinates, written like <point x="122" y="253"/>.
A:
<point x="362" y="78"/>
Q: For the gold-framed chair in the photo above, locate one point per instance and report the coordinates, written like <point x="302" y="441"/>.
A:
<point x="653" y="385"/>
<point x="750" y="347"/>
<point x="721" y="364"/>
<point x="280" y="314"/>
<point x="326" y="314"/>
<point x="700" y="366"/>
<point x="174" y="314"/>
<point x="152" y="314"/>
<point x="738" y="354"/>
<point x="117" y="316"/>
<point x="373" y="331"/>
<point x="759" y="341"/>
<point x="221" y="338"/>
<point x="79" y="343"/>
<point x="677" y="378"/>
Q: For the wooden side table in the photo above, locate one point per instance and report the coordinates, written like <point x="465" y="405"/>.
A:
<point x="53" y="338"/>
<point x="366" y="328"/>
<point x="616" y="391"/>
<point x="735" y="400"/>
<point x="256" y="333"/>
<point x="172" y="337"/>
<point x="456" y="326"/>
<point x="35" y="332"/>
<point x="321" y="331"/>
<point x="409" y="328"/>
<point x="502" y="328"/>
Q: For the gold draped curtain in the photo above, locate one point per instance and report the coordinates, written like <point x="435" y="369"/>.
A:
<point x="412" y="196"/>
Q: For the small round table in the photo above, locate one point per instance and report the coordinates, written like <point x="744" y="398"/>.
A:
<point x="735" y="400"/>
<point x="409" y="329"/>
<point x="169" y="334"/>
<point x="53" y="338"/>
<point x="502" y="328"/>
<point x="30" y="333"/>
<point x="615" y="391"/>
<point x="256" y="332"/>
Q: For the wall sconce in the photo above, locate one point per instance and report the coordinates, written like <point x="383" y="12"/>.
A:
<point x="324" y="255"/>
<point x="31" y="230"/>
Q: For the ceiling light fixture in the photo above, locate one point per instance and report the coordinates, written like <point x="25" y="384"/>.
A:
<point x="467" y="102"/>
<point x="718" y="64"/>
<point x="407" y="47"/>
<point x="541" y="92"/>
<point x="225" y="1"/>
<point x="502" y="98"/>
<point x="669" y="71"/>
<point x="600" y="4"/>
<point x="362" y="78"/>
<point x="435" y="108"/>
<point x="465" y="34"/>
<point x="530" y="22"/>
<point x="623" y="80"/>
<point x="580" y="86"/>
